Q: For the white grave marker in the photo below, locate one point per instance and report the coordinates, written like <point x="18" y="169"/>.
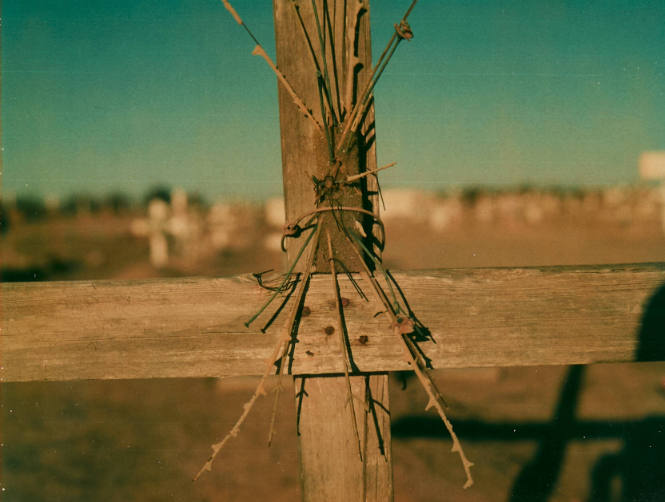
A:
<point x="652" y="167"/>
<point x="179" y="225"/>
<point x="155" y="229"/>
<point x="274" y="216"/>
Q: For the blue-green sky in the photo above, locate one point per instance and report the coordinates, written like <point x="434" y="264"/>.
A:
<point x="99" y="95"/>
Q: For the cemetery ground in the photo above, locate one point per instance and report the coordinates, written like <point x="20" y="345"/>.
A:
<point x="537" y="433"/>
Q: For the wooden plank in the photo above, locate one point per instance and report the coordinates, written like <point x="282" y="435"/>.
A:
<point x="194" y="327"/>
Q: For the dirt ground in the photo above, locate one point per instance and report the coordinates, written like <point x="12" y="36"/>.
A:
<point x="569" y="434"/>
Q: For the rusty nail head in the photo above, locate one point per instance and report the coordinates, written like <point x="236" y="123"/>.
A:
<point x="363" y="339"/>
<point x="306" y="311"/>
<point x="329" y="330"/>
<point x="345" y="302"/>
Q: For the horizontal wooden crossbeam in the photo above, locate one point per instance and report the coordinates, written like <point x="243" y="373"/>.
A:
<point x="195" y="327"/>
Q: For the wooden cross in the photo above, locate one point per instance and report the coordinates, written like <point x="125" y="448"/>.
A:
<point x="331" y="468"/>
<point x="155" y="227"/>
<point x="173" y="220"/>
<point x="195" y="327"/>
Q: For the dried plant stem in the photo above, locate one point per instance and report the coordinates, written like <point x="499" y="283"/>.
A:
<point x="353" y="60"/>
<point x="247" y="407"/>
<point x="355" y="177"/>
<point x="333" y="53"/>
<point x="279" y="352"/>
<point x="329" y="136"/>
<point x="351" y="122"/>
<point x="238" y="19"/>
<point x="296" y="8"/>
<point x="287" y="332"/>
<point x="324" y="59"/>
<point x="273" y="413"/>
<point x="259" y="51"/>
<point x="344" y="55"/>
<point x="435" y="397"/>
<point x="342" y="343"/>
<point x="284" y="282"/>
<point x="396" y="308"/>
<point x="435" y="400"/>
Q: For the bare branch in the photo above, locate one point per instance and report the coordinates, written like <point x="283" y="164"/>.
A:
<point x="279" y="352"/>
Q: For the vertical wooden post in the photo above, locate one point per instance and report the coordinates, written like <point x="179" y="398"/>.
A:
<point x="330" y="466"/>
<point x="330" y="461"/>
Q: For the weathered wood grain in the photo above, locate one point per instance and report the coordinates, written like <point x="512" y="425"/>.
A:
<point x="331" y="467"/>
<point x="194" y="327"/>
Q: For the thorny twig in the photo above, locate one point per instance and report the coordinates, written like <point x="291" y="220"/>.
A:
<point x="401" y="326"/>
<point x="279" y="352"/>
<point x="239" y="20"/>
<point x="259" y="51"/>
<point x="435" y="398"/>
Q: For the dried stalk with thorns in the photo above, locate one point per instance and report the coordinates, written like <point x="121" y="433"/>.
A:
<point x="341" y="223"/>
